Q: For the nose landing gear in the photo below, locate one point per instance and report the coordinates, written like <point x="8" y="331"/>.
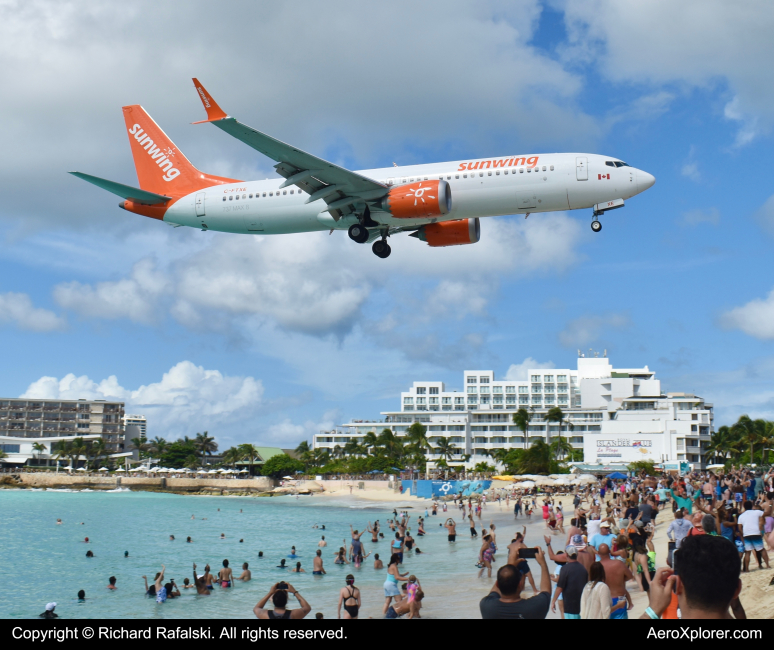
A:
<point x="596" y="224"/>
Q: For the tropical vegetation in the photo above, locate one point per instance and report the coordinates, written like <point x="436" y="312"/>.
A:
<point x="745" y="442"/>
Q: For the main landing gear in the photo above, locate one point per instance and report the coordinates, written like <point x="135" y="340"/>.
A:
<point x="381" y="248"/>
<point x="358" y="233"/>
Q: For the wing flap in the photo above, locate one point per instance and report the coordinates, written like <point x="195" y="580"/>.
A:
<point x="124" y="191"/>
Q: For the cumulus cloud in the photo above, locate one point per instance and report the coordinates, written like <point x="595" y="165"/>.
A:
<point x="520" y="371"/>
<point x="649" y="43"/>
<point x="133" y="298"/>
<point x="756" y="318"/>
<point x="587" y="329"/>
<point x="17" y="309"/>
<point x="290" y="433"/>
<point x="765" y="215"/>
<point x="187" y="397"/>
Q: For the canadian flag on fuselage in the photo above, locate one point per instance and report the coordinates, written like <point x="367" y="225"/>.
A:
<point x="161" y="166"/>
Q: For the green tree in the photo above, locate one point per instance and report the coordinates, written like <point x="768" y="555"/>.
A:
<point x="483" y="468"/>
<point x="205" y="444"/>
<point x="38" y="448"/>
<point x="96" y="450"/>
<point x="556" y="414"/>
<point x="280" y="465"/>
<point x="157" y="446"/>
<point x="538" y="459"/>
<point x="766" y="429"/>
<point x="303" y="447"/>
<point x="249" y="453"/>
<point x="748" y="432"/>
<point x="648" y="466"/>
<point x="522" y="419"/>
<point x="370" y="441"/>
<point x="445" y="448"/>
<point x="178" y="453"/>
<point x="232" y="456"/>
<point x="561" y="447"/>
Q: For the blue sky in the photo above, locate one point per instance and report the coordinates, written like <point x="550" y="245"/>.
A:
<point x="272" y="339"/>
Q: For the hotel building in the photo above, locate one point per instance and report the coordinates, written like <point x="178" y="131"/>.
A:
<point x="617" y="415"/>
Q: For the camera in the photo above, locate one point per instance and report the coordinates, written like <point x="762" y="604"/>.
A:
<point x="283" y="586"/>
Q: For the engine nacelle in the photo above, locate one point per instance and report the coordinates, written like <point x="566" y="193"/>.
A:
<point x="450" y="233"/>
<point x="425" y="199"/>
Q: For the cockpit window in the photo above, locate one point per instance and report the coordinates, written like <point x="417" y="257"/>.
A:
<point x="621" y="164"/>
<point x="610" y="163"/>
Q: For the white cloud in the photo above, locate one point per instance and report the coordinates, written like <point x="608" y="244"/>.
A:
<point x="586" y="329"/>
<point x="187" y="399"/>
<point x="699" y="216"/>
<point x="17" y="309"/>
<point x="519" y="371"/>
<point x="765" y="215"/>
<point x="133" y="298"/>
<point x="287" y="433"/>
<point x="756" y="318"/>
<point x="648" y="42"/>
<point x="691" y="170"/>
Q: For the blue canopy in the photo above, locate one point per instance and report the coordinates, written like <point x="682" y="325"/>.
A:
<point x="375" y="471"/>
<point x="617" y="475"/>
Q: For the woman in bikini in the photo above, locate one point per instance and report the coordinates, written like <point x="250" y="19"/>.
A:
<point x="485" y="556"/>
<point x="350" y="598"/>
<point x="341" y="556"/>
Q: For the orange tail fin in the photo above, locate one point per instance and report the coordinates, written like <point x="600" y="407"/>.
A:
<point x="161" y="167"/>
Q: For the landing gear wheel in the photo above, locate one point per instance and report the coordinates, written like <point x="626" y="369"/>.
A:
<point x="381" y="248"/>
<point x="358" y="233"/>
<point x="596" y="226"/>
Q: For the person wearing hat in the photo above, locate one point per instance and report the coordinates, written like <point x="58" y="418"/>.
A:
<point x="604" y="536"/>
<point x="572" y="579"/>
<point x="49" y="613"/>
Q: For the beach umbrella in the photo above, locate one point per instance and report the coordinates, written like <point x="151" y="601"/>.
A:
<point x="102" y="469"/>
<point x="544" y="480"/>
<point x="617" y="475"/>
<point x="289" y="477"/>
<point x="120" y="470"/>
<point x="68" y="467"/>
<point x="81" y="469"/>
<point x="526" y="484"/>
<point x="242" y="471"/>
<point x="562" y="480"/>
<point x="212" y="471"/>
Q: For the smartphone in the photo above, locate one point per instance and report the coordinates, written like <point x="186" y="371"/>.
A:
<point x="674" y="570"/>
<point x="283" y="586"/>
<point x="528" y="553"/>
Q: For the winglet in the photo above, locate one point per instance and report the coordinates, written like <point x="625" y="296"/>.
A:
<point x="214" y="112"/>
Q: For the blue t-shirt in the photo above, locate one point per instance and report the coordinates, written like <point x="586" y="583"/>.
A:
<point x="599" y="539"/>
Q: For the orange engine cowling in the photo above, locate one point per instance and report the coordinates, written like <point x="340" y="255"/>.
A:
<point x="419" y="200"/>
<point x="450" y="233"/>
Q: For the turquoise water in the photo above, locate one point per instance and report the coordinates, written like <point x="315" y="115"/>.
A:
<point x="49" y="563"/>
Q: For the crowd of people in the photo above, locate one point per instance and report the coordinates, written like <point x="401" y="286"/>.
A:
<point x="720" y="521"/>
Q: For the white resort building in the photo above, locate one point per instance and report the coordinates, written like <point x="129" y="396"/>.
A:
<point x="618" y="415"/>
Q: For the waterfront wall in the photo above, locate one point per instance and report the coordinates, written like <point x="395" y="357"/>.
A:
<point x="61" y="480"/>
<point x="340" y="485"/>
<point x="435" y="489"/>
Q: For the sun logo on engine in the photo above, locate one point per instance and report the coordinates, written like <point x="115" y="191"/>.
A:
<point x="418" y="193"/>
<point x="170" y="152"/>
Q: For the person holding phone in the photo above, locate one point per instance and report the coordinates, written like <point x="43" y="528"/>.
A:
<point x="504" y="600"/>
<point x="279" y="596"/>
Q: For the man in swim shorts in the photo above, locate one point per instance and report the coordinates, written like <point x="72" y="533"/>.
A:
<point x="452" y="528"/>
<point x="246" y="574"/>
<point x="317" y="564"/>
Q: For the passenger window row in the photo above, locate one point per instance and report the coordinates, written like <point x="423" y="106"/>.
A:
<point x="258" y="195"/>
<point x="480" y="174"/>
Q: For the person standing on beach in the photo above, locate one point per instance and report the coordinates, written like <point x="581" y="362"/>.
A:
<point x="616" y="575"/>
<point x="572" y="580"/>
<point x="451" y="527"/>
<point x="317" y="564"/>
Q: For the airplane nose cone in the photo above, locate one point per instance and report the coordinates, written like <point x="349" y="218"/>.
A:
<point x="644" y="180"/>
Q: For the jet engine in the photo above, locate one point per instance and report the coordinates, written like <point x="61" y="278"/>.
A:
<point x="450" y="233"/>
<point x="418" y="200"/>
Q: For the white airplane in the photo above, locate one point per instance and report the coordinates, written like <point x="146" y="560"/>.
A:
<point x="439" y="203"/>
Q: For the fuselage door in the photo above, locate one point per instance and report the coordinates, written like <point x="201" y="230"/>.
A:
<point x="199" y="204"/>
<point x="582" y="168"/>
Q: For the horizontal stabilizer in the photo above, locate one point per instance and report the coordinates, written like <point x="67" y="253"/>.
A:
<point x="124" y="191"/>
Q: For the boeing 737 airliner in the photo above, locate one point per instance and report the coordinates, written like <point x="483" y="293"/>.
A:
<point x="439" y="203"/>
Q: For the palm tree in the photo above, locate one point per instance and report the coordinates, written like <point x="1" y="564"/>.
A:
<point x="556" y="414"/>
<point x="232" y="456"/>
<point x="3" y="455"/>
<point x="536" y="460"/>
<point x="353" y="447"/>
<point x="747" y="431"/>
<point x="157" y="446"/>
<point x="445" y="448"/>
<point x="38" y="448"/>
<point x="63" y="450"/>
<point x="370" y="441"/>
<point x="767" y="439"/>
<point x="96" y="450"/>
<point x="303" y="447"/>
<point x="337" y="452"/>
<point x="249" y="452"/>
<point x="416" y="435"/>
<point x="79" y="448"/>
<point x="561" y="448"/>
<point x="720" y="442"/>
<point x="141" y="445"/>
<point x="521" y="419"/>
<point x="205" y="444"/>
<point x="320" y="457"/>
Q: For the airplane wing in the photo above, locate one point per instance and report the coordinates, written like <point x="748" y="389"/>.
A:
<point x="124" y="191"/>
<point x="342" y="190"/>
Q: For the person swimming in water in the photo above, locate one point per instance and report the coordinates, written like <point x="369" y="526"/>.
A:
<point x="292" y="552"/>
<point x="317" y="564"/>
<point x="298" y="568"/>
<point x="341" y="556"/>
<point x="281" y="565"/>
<point x="378" y="564"/>
<point x="246" y="573"/>
<point x="112" y="583"/>
<point x="188" y="540"/>
<point x="81" y="596"/>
